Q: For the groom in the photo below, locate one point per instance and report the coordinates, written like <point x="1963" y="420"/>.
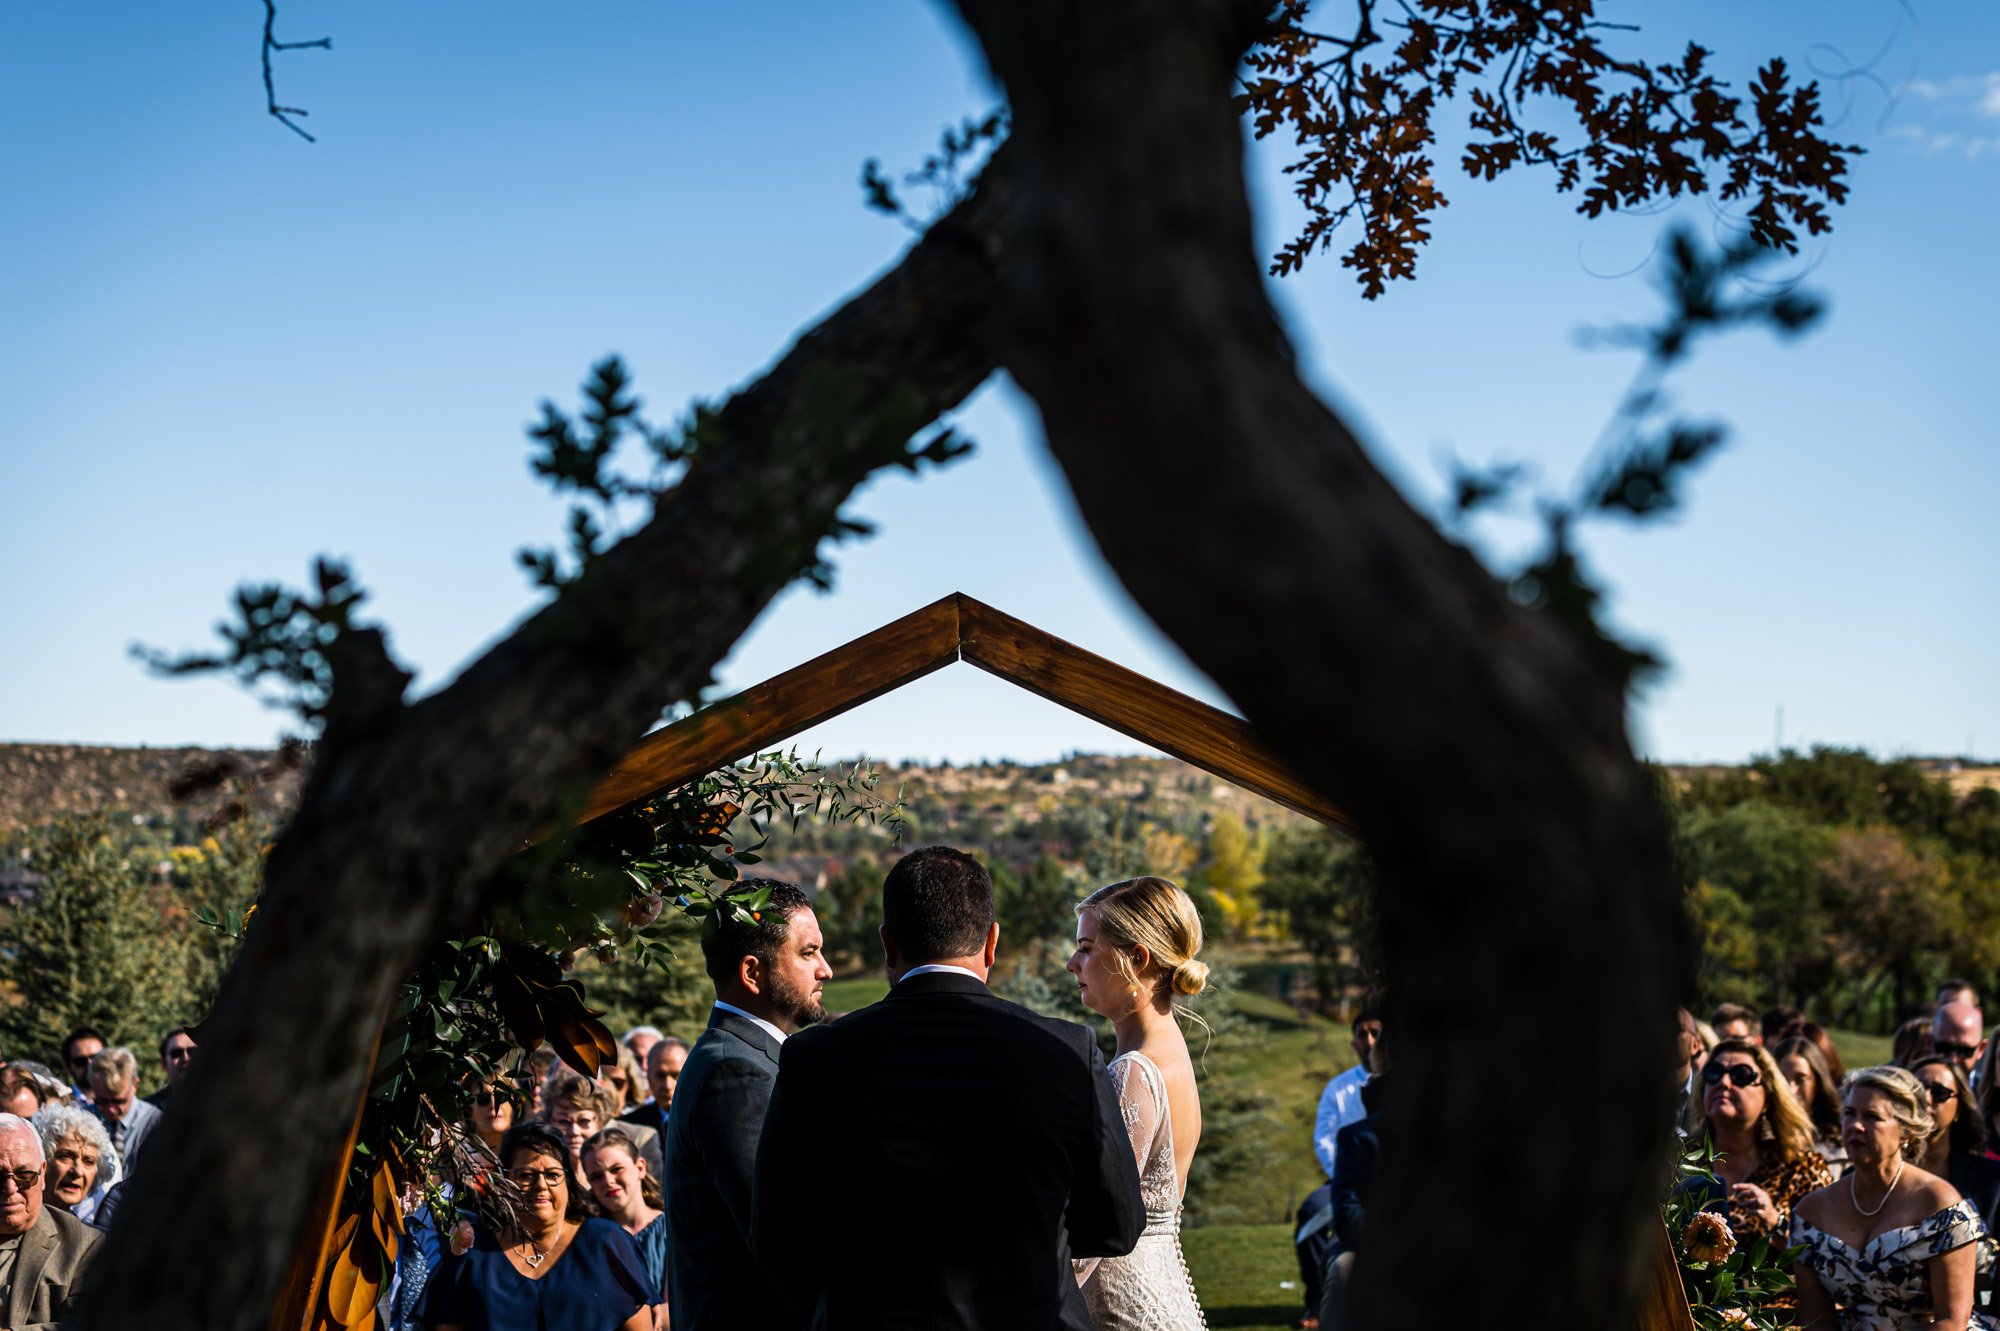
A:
<point x="935" y="1159"/>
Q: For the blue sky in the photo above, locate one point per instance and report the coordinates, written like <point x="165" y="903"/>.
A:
<point x="226" y="350"/>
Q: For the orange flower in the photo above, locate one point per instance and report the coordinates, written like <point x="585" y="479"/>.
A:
<point x="1708" y="1238"/>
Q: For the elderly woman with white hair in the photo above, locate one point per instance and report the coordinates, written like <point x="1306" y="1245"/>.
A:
<point x="79" y="1159"/>
<point x="1891" y="1247"/>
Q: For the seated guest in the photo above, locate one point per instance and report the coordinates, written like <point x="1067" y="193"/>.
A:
<point x="492" y="1113"/>
<point x="1957" y="1033"/>
<point x="1692" y="1048"/>
<point x="1733" y="1021"/>
<point x="176" y="1057"/>
<point x="75" y="1145"/>
<point x="1956" y="1148"/>
<point x="1772" y="1025"/>
<point x="114" y="1093"/>
<point x="1804" y="1069"/>
<point x="579" y="1107"/>
<point x="1956" y="991"/>
<point x="1709" y="1039"/>
<point x="50" y="1247"/>
<point x="1354" y="1163"/>
<point x="21" y="1092"/>
<point x="664" y="1062"/>
<point x="627" y="1193"/>
<point x="1764" y="1140"/>
<point x="532" y="1073"/>
<point x="640" y="1040"/>
<point x="1987" y="1089"/>
<point x="547" y="1267"/>
<point x="1339" y="1105"/>
<point x="1812" y="1030"/>
<point x="78" y="1048"/>
<point x="1912" y="1041"/>
<point x="624" y="1079"/>
<point x="1891" y="1247"/>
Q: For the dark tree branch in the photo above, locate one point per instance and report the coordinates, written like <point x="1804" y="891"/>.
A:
<point x="283" y="114"/>
<point x="409" y="813"/>
<point x="1481" y="747"/>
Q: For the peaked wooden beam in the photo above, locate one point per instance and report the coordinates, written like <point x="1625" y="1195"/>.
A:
<point x="765" y="714"/>
<point x="955" y="628"/>
<point x="1128" y="702"/>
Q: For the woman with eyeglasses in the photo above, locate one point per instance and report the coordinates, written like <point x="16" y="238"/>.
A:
<point x="1892" y="1246"/>
<point x="543" y="1265"/>
<point x="1956" y="1149"/>
<point x="1765" y="1160"/>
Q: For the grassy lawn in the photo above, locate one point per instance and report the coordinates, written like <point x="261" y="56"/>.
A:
<point x="1240" y="1274"/>
<point x="1861" y="1051"/>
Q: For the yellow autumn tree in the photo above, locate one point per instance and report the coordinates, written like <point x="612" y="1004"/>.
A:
<point x="1235" y="871"/>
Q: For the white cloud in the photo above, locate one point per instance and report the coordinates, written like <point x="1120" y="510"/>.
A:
<point x="1980" y="91"/>
<point x="1954" y="112"/>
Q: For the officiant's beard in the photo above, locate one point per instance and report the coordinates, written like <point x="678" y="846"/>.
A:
<point x="800" y="1007"/>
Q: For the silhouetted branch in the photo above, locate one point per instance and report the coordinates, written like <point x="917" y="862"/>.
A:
<point x="283" y="114"/>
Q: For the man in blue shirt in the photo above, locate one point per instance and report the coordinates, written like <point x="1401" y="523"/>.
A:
<point x="1339" y="1105"/>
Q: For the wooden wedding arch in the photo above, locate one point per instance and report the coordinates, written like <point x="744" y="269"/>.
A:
<point x="951" y="629"/>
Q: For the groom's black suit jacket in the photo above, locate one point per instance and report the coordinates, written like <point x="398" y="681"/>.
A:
<point x="933" y="1161"/>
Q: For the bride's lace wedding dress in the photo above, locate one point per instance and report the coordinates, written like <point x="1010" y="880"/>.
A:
<point x="1150" y="1290"/>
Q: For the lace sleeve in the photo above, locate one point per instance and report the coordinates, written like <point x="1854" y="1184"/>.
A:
<point x="1142" y="1103"/>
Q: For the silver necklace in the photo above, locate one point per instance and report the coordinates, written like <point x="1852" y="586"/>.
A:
<point x="533" y="1257"/>
<point x="1854" y="1189"/>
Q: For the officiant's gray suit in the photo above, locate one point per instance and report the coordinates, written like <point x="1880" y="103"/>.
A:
<point x="713" y="1282"/>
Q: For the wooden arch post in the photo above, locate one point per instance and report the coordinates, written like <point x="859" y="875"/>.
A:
<point x="951" y="629"/>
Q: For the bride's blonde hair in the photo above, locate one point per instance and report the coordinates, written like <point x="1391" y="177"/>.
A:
<point x="1154" y="914"/>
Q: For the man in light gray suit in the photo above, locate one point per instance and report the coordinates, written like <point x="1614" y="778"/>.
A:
<point x="768" y="974"/>
<point x="114" y="1093"/>
<point x="43" y="1251"/>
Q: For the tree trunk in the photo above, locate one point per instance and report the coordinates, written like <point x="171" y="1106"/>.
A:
<point x="1526" y="885"/>
<point x="410" y="811"/>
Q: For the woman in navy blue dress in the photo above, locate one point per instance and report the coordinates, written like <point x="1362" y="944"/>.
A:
<point x="553" y="1270"/>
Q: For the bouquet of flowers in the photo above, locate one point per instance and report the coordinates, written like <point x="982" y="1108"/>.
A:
<point x="1729" y="1287"/>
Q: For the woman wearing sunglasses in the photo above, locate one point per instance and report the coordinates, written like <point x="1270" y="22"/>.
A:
<point x="492" y="1114"/>
<point x="543" y="1264"/>
<point x="1956" y="1150"/>
<point x="1763" y="1139"/>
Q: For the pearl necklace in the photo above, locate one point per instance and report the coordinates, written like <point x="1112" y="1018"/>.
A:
<point x="1854" y="1189"/>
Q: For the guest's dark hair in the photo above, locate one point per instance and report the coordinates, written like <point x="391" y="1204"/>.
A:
<point x="80" y="1033"/>
<point x="1953" y="985"/>
<point x="731" y="940"/>
<point x="1968" y="1125"/>
<point x="1813" y="1031"/>
<point x="938" y="902"/>
<point x="1774" y="1021"/>
<point x="542" y="1139"/>
<point x="1912" y="1042"/>
<point x="1368" y="1012"/>
<point x="178" y="1030"/>
<point x="1824" y="1106"/>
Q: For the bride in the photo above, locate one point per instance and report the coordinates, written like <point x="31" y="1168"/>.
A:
<point x="1135" y="950"/>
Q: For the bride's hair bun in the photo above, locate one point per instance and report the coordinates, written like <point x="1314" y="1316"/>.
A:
<point x="1153" y="914"/>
